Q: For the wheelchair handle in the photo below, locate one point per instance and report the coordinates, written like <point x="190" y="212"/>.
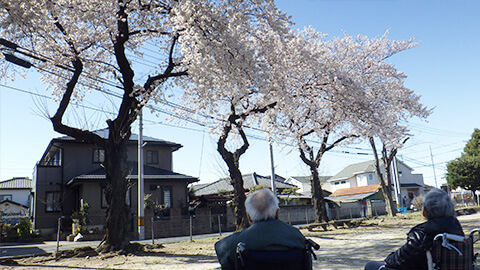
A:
<point x="312" y="244"/>
<point x="450" y="236"/>
<point x="477" y="230"/>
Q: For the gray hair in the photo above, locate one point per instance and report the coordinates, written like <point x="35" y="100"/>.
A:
<point x="437" y="204"/>
<point x="262" y="205"/>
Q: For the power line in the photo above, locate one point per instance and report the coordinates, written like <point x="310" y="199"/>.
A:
<point x="188" y="110"/>
<point x="51" y="98"/>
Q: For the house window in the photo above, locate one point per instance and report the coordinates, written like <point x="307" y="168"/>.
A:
<point x="5" y="197"/>
<point x="370" y="177"/>
<point x="52" y="201"/>
<point x="54" y="158"/>
<point x="343" y="182"/>
<point x="162" y="211"/>
<point x="152" y="157"/>
<point x="98" y="155"/>
<point x="127" y="198"/>
<point x="167" y="196"/>
<point x="104" y="203"/>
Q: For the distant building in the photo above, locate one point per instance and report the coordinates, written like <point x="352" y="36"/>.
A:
<point x="249" y="180"/>
<point x="17" y="189"/>
<point x="15" y="199"/>
<point x="363" y="193"/>
<point x="304" y="183"/>
<point x="363" y="174"/>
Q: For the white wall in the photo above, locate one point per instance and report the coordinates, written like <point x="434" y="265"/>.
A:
<point x="20" y="196"/>
<point x="362" y="180"/>
<point x="347" y="183"/>
<point x="301" y="186"/>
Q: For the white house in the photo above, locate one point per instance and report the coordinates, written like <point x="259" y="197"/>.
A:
<point x="15" y="198"/>
<point x="363" y="174"/>
<point x="304" y="183"/>
<point x="17" y="189"/>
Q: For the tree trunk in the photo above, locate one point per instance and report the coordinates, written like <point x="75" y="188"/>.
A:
<point x="241" y="221"/>
<point x="232" y="161"/>
<point x="386" y="190"/>
<point x="316" y="187"/>
<point x="317" y="197"/>
<point x="118" y="216"/>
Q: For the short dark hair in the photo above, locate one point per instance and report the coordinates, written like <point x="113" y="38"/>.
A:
<point x="437" y="204"/>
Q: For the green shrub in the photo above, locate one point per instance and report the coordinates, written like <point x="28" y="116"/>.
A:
<point x="24" y="228"/>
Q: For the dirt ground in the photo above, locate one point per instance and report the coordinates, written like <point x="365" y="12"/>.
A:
<point x="340" y="249"/>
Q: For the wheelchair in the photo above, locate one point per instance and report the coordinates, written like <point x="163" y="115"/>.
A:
<point x="292" y="259"/>
<point x="453" y="252"/>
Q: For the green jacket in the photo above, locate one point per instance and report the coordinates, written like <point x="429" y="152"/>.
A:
<point x="264" y="235"/>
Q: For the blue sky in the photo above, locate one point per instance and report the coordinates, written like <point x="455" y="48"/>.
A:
<point x="443" y="69"/>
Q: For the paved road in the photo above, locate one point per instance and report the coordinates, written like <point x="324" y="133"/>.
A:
<point x="8" y="250"/>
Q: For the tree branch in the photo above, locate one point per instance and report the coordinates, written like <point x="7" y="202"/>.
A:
<point x="257" y="110"/>
<point x="245" y="145"/>
<point x="79" y="134"/>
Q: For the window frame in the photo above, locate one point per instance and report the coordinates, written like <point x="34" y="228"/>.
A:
<point x="98" y="155"/>
<point x="170" y="190"/>
<point x="103" y="198"/>
<point x="54" y="158"/>
<point x="55" y="204"/>
<point x="151" y="157"/>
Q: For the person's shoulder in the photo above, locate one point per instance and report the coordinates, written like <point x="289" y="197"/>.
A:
<point x="227" y="241"/>
<point x="285" y="225"/>
<point x="290" y="229"/>
<point x="418" y="231"/>
<point x="419" y="227"/>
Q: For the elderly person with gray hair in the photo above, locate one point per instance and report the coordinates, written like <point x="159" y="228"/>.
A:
<point x="267" y="232"/>
<point x="439" y="211"/>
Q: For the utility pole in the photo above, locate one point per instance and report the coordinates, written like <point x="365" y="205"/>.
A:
<point x="433" y="166"/>
<point x="141" y="206"/>
<point x="396" y="182"/>
<point x="272" y="178"/>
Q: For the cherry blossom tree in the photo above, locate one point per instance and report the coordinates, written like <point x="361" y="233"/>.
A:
<point x="320" y="106"/>
<point x="339" y="95"/>
<point x="79" y="45"/>
<point x="390" y="106"/>
<point x="232" y="77"/>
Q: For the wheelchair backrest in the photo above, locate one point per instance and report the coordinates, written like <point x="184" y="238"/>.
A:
<point x="452" y="252"/>
<point x="291" y="259"/>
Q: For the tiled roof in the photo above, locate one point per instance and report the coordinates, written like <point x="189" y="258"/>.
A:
<point x="16" y="183"/>
<point x="249" y="180"/>
<point x="351" y="198"/>
<point x="302" y="179"/>
<point x="12" y="202"/>
<point x="410" y="185"/>
<point x="355" y="190"/>
<point x="149" y="174"/>
<point x="307" y="179"/>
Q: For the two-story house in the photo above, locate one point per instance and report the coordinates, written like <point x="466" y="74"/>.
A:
<point x="71" y="172"/>
<point x="363" y="174"/>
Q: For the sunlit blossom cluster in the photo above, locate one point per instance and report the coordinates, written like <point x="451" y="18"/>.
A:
<point x="237" y="57"/>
